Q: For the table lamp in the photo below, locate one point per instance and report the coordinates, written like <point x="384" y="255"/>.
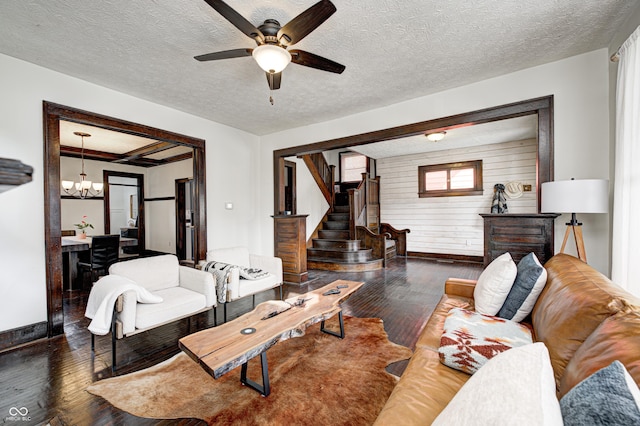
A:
<point x="575" y="196"/>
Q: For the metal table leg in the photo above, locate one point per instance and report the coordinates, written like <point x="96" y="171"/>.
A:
<point x="333" y="333"/>
<point x="265" y="388"/>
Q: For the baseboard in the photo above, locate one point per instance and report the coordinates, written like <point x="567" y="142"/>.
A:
<point x="21" y="335"/>
<point x="459" y="258"/>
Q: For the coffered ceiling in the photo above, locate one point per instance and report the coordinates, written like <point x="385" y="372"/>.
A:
<point x="394" y="50"/>
<point x="117" y="147"/>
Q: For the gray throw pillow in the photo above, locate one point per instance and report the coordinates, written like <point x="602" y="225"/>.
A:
<point x="530" y="279"/>
<point x="608" y="397"/>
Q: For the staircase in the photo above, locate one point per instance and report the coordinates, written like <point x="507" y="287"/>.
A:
<point x="333" y="250"/>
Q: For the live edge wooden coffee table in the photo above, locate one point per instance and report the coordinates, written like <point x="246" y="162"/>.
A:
<point x="221" y="349"/>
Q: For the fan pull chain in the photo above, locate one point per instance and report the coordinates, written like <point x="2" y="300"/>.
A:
<point x="271" y="97"/>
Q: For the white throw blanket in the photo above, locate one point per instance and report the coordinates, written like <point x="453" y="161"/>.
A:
<point x="103" y="297"/>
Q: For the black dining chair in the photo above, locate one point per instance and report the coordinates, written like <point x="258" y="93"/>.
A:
<point x="103" y="253"/>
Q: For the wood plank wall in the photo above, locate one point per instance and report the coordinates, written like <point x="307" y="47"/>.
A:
<point x="452" y="225"/>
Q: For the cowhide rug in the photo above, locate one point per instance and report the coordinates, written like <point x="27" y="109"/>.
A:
<point x="315" y="379"/>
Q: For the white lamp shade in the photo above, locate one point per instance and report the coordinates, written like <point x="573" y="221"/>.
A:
<point x="85" y="184"/>
<point x="575" y="196"/>
<point x="271" y="58"/>
<point x="67" y="184"/>
<point x="98" y="186"/>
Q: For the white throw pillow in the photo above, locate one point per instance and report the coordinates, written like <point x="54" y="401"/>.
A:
<point x="516" y="387"/>
<point x="494" y="284"/>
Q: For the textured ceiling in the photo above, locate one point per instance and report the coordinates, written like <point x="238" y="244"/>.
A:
<point x="393" y="50"/>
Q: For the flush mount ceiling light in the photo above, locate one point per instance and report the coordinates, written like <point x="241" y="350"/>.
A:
<point x="271" y="58"/>
<point x="435" y="137"/>
<point x="84" y="186"/>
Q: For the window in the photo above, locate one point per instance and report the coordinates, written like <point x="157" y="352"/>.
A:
<point x="450" y="180"/>
<point x="352" y="165"/>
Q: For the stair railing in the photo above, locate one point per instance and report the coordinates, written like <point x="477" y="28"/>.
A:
<point x="373" y="203"/>
<point x="323" y="174"/>
<point x="364" y="205"/>
<point x="357" y="206"/>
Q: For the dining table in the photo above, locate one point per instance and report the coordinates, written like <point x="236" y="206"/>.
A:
<point x="73" y="246"/>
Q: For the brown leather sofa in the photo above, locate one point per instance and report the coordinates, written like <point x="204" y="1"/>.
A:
<point x="584" y="319"/>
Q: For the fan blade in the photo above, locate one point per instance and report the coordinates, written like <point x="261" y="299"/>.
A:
<point x="237" y="20"/>
<point x="300" y="26"/>
<point x="307" y="59"/>
<point x="274" y="80"/>
<point x="226" y="54"/>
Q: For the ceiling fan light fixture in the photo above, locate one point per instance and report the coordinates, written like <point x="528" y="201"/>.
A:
<point x="271" y="58"/>
<point x="435" y="137"/>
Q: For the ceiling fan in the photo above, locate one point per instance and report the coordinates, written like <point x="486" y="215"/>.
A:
<point x="273" y="40"/>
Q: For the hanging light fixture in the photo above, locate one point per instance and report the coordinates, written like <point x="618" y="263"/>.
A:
<point x="83" y="189"/>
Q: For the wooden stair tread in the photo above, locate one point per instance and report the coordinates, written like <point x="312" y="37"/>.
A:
<point x="332" y="260"/>
<point x="340" y="249"/>
<point x="333" y="249"/>
<point x="333" y="265"/>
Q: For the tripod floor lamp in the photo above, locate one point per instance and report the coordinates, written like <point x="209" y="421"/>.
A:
<point x="575" y="196"/>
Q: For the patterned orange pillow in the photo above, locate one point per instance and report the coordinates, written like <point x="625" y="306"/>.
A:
<point x="470" y="339"/>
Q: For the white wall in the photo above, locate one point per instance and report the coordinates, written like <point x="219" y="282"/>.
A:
<point x="232" y="164"/>
<point x="315" y="206"/>
<point x="580" y="87"/>
<point x="453" y="225"/>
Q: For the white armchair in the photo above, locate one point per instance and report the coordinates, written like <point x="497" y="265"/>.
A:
<point x="183" y="292"/>
<point x="239" y="268"/>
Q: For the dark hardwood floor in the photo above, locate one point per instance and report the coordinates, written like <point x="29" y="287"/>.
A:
<point x="49" y="377"/>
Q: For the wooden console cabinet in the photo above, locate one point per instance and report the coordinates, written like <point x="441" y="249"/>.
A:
<point x="518" y="234"/>
<point x="290" y="245"/>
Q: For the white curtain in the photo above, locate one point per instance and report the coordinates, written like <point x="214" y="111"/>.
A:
<point x="625" y="263"/>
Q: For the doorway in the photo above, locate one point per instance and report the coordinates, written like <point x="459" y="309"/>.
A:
<point x="53" y="114"/>
<point x="124" y="208"/>
<point x="184" y="221"/>
<point x="542" y="107"/>
<point x="289" y="187"/>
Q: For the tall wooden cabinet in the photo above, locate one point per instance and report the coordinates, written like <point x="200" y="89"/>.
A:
<point x="290" y="245"/>
<point x="518" y="234"/>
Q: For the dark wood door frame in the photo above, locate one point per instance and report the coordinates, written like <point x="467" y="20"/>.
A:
<point x="290" y="166"/>
<point x="107" y="211"/>
<point x="52" y="114"/>
<point x="543" y="107"/>
<point x="181" y="232"/>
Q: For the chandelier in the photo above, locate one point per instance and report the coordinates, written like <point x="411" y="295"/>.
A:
<point x="83" y="189"/>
